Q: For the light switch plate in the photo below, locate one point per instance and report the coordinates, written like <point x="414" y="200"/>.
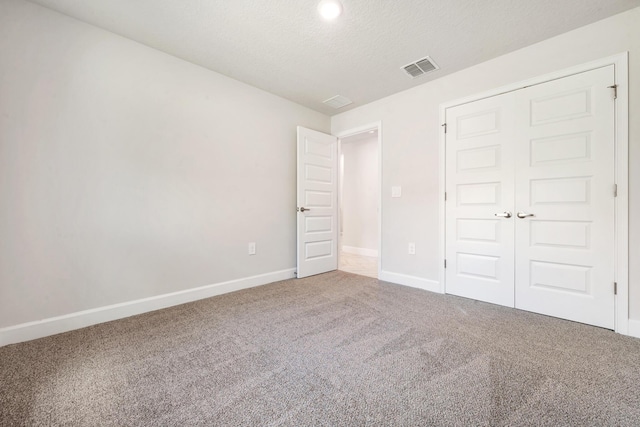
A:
<point x="396" y="191"/>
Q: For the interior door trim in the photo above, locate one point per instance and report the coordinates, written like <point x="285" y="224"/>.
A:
<point x="621" y="124"/>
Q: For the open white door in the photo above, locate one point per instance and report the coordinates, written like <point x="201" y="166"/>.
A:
<point x="317" y="202"/>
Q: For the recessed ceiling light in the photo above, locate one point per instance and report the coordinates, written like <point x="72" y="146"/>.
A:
<point x="330" y="9"/>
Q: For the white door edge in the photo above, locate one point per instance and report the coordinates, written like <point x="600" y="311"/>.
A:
<point x="353" y="131"/>
<point x="620" y="63"/>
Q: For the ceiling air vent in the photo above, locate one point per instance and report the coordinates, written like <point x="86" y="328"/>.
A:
<point x="420" y="67"/>
<point x="337" y="101"/>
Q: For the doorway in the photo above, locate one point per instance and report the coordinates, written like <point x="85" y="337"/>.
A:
<point x="320" y="173"/>
<point x="359" y="203"/>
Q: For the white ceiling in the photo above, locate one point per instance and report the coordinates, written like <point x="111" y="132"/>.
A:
<point x="284" y="47"/>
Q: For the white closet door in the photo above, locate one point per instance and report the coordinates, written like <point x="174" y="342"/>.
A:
<point x="479" y="185"/>
<point x="565" y="180"/>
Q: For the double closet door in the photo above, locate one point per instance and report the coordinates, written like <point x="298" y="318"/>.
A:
<point x="530" y="198"/>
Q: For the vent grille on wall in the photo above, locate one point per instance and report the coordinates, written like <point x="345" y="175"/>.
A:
<point x="337" y="101"/>
<point x="420" y="67"/>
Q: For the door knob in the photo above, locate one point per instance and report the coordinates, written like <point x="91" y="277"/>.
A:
<point x="303" y="209"/>
<point x="506" y="214"/>
<point x="524" y="215"/>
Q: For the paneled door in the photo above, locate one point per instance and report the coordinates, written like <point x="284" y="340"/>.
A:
<point x="530" y="208"/>
<point x="480" y="199"/>
<point x="565" y="198"/>
<point x="317" y="201"/>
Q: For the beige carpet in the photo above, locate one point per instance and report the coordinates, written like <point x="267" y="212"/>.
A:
<point x="331" y="350"/>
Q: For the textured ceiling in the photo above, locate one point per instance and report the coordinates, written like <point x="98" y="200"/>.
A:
<point x="284" y="47"/>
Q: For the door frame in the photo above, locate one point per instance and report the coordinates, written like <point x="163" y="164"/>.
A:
<point x="621" y="165"/>
<point x="350" y="132"/>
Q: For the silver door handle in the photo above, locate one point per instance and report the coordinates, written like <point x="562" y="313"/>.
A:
<point x="523" y="215"/>
<point x="303" y="209"/>
<point x="506" y="214"/>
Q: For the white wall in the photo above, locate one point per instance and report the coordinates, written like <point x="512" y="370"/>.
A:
<point x="411" y="127"/>
<point x="360" y="193"/>
<point x="127" y="173"/>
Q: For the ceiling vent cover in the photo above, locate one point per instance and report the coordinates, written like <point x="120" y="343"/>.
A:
<point x="420" y="67"/>
<point x="337" y="101"/>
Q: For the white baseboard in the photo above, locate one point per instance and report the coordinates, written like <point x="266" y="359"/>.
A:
<point x="360" y="251"/>
<point x="413" y="281"/>
<point x="81" y="319"/>
<point x="434" y="286"/>
<point x="634" y="328"/>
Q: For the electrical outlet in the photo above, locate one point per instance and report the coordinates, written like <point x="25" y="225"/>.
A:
<point x="252" y="248"/>
<point x="412" y="248"/>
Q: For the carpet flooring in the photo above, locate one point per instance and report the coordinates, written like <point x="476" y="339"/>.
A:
<point x="331" y="350"/>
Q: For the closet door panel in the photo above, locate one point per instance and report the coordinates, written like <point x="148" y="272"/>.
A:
<point x="564" y="193"/>
<point x="479" y="185"/>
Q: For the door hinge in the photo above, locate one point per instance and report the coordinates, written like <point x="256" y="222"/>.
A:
<point x="445" y="196"/>
<point x="444" y="125"/>
<point x="615" y="90"/>
<point x="445" y="263"/>
<point x="615" y="190"/>
<point x="615" y="288"/>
